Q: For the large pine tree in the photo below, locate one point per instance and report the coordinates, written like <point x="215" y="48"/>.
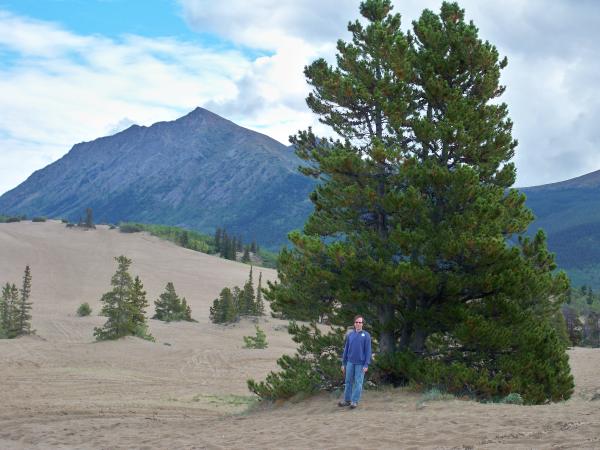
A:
<point x="414" y="213"/>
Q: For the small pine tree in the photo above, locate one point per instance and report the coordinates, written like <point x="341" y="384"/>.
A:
<point x="224" y="309"/>
<point x="9" y="311"/>
<point x="184" y="239"/>
<point x="89" y="218"/>
<point x="218" y="234"/>
<point x="253" y="247"/>
<point x="573" y="324"/>
<point x="232" y="255"/>
<point x="123" y="306"/>
<point x="169" y="307"/>
<point x="247" y="299"/>
<point x="114" y="303"/>
<point x="592" y="329"/>
<point x="258" y="341"/>
<point x="236" y="294"/>
<point x="259" y="304"/>
<point x="24" y="308"/>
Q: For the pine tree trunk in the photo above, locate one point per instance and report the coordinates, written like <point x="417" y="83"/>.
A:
<point x="417" y="344"/>
<point x="408" y="326"/>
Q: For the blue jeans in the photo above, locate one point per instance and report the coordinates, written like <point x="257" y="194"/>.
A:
<point x="354" y="382"/>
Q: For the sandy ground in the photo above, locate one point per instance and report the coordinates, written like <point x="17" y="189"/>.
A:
<point x="61" y="390"/>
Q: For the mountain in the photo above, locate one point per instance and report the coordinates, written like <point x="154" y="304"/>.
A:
<point x="200" y="171"/>
<point x="569" y="213"/>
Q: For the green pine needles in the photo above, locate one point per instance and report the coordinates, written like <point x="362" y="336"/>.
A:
<point x="170" y="308"/>
<point x="124" y="306"/>
<point x="414" y="215"/>
<point x="15" y="308"/>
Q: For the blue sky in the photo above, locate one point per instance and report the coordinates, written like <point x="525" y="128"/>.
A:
<point x="75" y="70"/>
<point x="112" y="18"/>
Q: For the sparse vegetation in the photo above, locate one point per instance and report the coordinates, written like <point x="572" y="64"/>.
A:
<point x="39" y="219"/>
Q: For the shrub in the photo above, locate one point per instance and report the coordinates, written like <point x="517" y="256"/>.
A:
<point x="84" y="310"/>
<point x="13" y="219"/>
<point x="38" y="219"/>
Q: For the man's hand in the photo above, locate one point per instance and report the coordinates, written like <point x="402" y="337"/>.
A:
<point x="365" y="369"/>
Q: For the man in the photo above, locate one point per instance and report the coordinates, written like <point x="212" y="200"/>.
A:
<point x="355" y="362"/>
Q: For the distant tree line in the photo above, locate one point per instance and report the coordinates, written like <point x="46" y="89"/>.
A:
<point x="221" y="243"/>
<point x="15" y="308"/>
<point x="236" y="302"/>
<point x="228" y="246"/>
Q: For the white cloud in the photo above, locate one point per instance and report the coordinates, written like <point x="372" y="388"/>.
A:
<point x="264" y="24"/>
<point x="61" y="88"/>
<point x="551" y="79"/>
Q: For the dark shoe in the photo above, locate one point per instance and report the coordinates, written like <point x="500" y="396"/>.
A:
<point x="344" y="403"/>
<point x="353" y="405"/>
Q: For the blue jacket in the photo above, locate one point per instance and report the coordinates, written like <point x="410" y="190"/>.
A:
<point x="357" y="348"/>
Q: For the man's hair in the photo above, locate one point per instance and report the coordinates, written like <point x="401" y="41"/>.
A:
<point x="359" y="317"/>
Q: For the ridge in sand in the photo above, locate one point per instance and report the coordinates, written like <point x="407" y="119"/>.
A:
<point x="59" y="389"/>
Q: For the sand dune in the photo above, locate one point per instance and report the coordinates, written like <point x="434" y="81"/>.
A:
<point x="60" y="389"/>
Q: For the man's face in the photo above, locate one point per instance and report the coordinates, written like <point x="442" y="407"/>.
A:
<point x="358" y="324"/>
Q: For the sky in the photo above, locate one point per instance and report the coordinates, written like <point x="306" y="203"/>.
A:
<point x="76" y="70"/>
